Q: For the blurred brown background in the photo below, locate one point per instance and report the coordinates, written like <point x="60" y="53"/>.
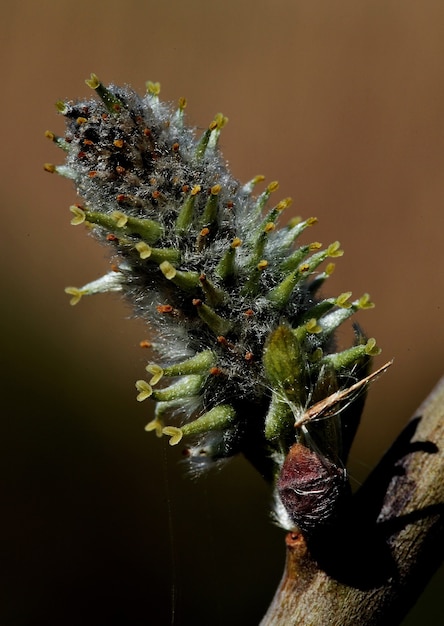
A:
<point x="343" y="103"/>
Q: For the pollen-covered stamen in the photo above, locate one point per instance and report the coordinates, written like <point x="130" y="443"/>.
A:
<point x="112" y="103"/>
<point x="213" y="296"/>
<point x="259" y="206"/>
<point x="218" y="123"/>
<point x="333" y="251"/>
<point x="59" y="141"/>
<point x="145" y="390"/>
<point x="218" y="418"/>
<point x="110" y="282"/>
<point x="248" y="188"/>
<point x="210" y="136"/>
<point x="218" y="324"/>
<point x="179" y="114"/>
<point x="267" y="226"/>
<point x="156" y="371"/>
<point x="294" y="229"/>
<point x="185" y="280"/>
<point x="149" y="230"/>
<point x="186" y="387"/>
<point x="330" y="322"/>
<point x="50" y="167"/>
<point x="79" y="215"/>
<point x="347" y="358"/>
<point x="209" y="215"/>
<point x="281" y="294"/>
<point x="174" y="433"/>
<point x="293" y="261"/>
<point x="157" y="255"/>
<point x="185" y="217"/>
<point x="200" y="363"/>
<point x="153" y="89"/>
<point x="226" y="267"/>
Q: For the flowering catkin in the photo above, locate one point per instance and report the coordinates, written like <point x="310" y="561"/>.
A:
<point x="246" y="358"/>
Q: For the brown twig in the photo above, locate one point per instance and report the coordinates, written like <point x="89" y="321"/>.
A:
<point x="371" y="567"/>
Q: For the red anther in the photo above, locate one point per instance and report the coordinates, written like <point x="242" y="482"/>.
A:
<point x="164" y="308"/>
<point x="120" y="169"/>
<point x="111" y="237"/>
<point x="215" y="371"/>
<point x="156" y="194"/>
<point x="175" y="147"/>
<point x="146" y="132"/>
<point x="197" y="302"/>
<point x="145" y="343"/>
<point x="249" y="312"/>
<point x="249" y="356"/>
<point x="92" y="173"/>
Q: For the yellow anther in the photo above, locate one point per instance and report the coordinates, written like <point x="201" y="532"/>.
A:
<point x="364" y="302"/>
<point x="262" y="264"/>
<point x="330" y="269"/>
<point x="236" y="242"/>
<point x="334" y="249"/>
<point x="156" y="425"/>
<point x="283" y="204"/>
<point x="305" y="267"/>
<point x="182" y="103"/>
<point x="176" y="434"/>
<point x="49" y="167"/>
<point x="294" y="222"/>
<point x="273" y="186"/>
<point x="156" y="371"/>
<point x="168" y="270"/>
<point x="311" y="221"/>
<point x="195" y="190"/>
<point x="313" y="327"/>
<point x="371" y="348"/>
<point x="93" y="82"/>
<point x="120" y="218"/>
<point x="269" y="226"/>
<point x="316" y="245"/>
<point x="343" y="300"/>
<point x="153" y="88"/>
<point x="144" y="390"/>
<point x="215" y="190"/>
<point x="79" y="215"/>
<point x="258" y="179"/>
<point x="220" y="120"/>
<point x="76" y="294"/>
<point x="143" y="249"/>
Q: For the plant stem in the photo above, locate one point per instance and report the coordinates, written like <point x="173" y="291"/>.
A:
<point x="372" y="566"/>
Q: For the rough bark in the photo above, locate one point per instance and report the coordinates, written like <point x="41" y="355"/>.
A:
<point x="371" y="567"/>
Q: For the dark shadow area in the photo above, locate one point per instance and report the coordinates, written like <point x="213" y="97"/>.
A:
<point x="355" y="549"/>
